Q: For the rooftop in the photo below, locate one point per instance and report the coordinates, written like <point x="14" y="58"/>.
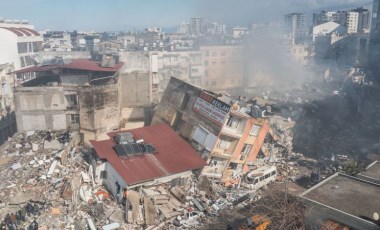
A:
<point x="347" y="194"/>
<point x="80" y="64"/>
<point x="372" y="171"/>
<point x="20" y="32"/>
<point x="172" y="155"/>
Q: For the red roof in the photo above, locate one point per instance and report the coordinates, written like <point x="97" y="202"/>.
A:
<point x="82" y="64"/>
<point x="174" y="155"/>
<point x="22" y="31"/>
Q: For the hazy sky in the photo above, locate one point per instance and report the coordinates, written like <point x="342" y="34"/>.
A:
<point x="126" y="14"/>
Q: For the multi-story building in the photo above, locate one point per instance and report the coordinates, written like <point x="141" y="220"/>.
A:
<point x="358" y="21"/>
<point x="328" y="28"/>
<point x="7" y="107"/>
<point x="183" y="28"/>
<point x="227" y="132"/>
<point x="238" y="31"/>
<point x="81" y="95"/>
<point x="197" y="26"/>
<point x="374" y="50"/>
<point x="223" y="67"/>
<point x="19" y="42"/>
<point x="295" y="25"/>
<point x="186" y="65"/>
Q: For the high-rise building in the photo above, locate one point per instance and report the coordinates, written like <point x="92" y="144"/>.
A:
<point x="295" y="24"/>
<point x="358" y="21"/>
<point x="183" y="28"/>
<point x="197" y="25"/>
<point x="374" y="50"/>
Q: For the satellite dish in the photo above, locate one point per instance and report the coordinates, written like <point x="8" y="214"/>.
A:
<point x="376" y="216"/>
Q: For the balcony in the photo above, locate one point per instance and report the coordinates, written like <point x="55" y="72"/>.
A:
<point x="231" y="132"/>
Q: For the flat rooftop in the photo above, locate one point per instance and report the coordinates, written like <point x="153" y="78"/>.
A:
<point x="372" y="171"/>
<point x="347" y="194"/>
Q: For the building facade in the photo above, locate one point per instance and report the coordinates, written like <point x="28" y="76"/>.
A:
<point x="223" y="130"/>
<point x="18" y="44"/>
<point x="374" y="50"/>
<point x="295" y="25"/>
<point x="81" y="95"/>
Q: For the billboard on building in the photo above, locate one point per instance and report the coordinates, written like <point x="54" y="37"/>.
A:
<point x="213" y="109"/>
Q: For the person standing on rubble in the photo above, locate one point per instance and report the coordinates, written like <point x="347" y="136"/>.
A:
<point x="12" y="218"/>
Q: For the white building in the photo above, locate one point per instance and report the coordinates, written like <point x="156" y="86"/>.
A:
<point x="358" y="21"/>
<point x="183" y="28"/>
<point x="238" y="31"/>
<point x="328" y="28"/>
<point x="197" y="26"/>
<point x="18" y="43"/>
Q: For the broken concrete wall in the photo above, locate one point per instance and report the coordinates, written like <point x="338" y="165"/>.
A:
<point x="40" y="108"/>
<point x="135" y="89"/>
<point x="99" y="111"/>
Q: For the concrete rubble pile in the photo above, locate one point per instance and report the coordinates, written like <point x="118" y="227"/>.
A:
<point x="45" y="177"/>
<point x="195" y="203"/>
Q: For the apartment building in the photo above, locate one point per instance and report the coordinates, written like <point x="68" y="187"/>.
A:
<point x="187" y="66"/>
<point x="223" y="67"/>
<point x="80" y="95"/>
<point x="228" y="133"/>
<point x="18" y="44"/>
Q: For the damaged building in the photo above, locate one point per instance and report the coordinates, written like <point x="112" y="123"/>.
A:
<point x="140" y="158"/>
<point x="227" y="132"/>
<point x="76" y="94"/>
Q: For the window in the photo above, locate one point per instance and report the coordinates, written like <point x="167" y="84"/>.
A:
<point x="22" y="61"/>
<point x="213" y="83"/>
<point x="207" y="53"/>
<point x="118" y="188"/>
<point x="255" y="130"/>
<point x="213" y="53"/>
<point x="206" y="63"/>
<point x="22" y="47"/>
<point x="74" y="118"/>
<point x="28" y="61"/>
<point x="103" y="175"/>
<point x="194" y="70"/>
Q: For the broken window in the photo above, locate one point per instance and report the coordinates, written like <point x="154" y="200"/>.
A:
<point x="255" y="130"/>
<point x="72" y="101"/>
<point x="245" y="151"/>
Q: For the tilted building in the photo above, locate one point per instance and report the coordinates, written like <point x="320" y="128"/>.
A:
<point x="228" y="133"/>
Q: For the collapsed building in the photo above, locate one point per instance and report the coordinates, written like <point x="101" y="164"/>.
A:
<point x="75" y="94"/>
<point x="227" y="132"/>
<point x="143" y="157"/>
